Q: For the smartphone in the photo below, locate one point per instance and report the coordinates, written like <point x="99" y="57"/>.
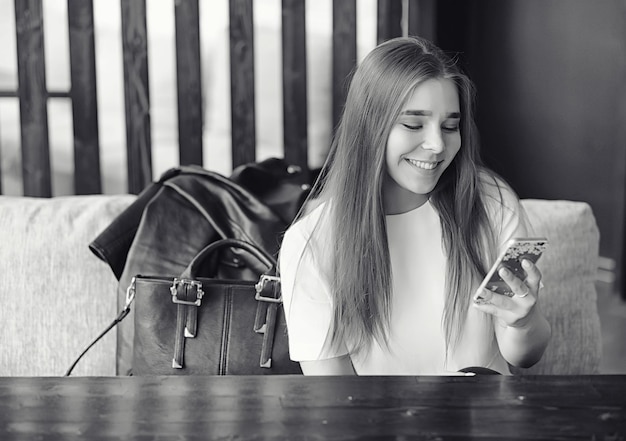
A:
<point x="517" y="249"/>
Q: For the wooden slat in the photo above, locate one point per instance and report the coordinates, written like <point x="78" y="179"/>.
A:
<point x="344" y="52"/>
<point x="33" y="98"/>
<point x="136" y="94"/>
<point x="84" y="99"/>
<point x="423" y="19"/>
<point x="188" y="81"/>
<point x="389" y="19"/>
<point x="242" y="82"/>
<point x="294" y="84"/>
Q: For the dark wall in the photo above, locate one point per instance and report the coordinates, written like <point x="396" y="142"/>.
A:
<point x="551" y="98"/>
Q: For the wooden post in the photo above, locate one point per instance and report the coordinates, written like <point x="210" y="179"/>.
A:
<point x="344" y="52"/>
<point x="423" y="19"/>
<point x="84" y="97"/>
<point x="242" y="82"/>
<point x="188" y="81"/>
<point x="389" y="19"/>
<point x="136" y="94"/>
<point x="33" y="98"/>
<point x="294" y="85"/>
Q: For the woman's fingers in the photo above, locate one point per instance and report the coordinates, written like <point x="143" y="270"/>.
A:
<point x="512" y="311"/>
<point x="493" y="304"/>
<point x="534" y="275"/>
<point x="518" y="287"/>
<point x="487" y="297"/>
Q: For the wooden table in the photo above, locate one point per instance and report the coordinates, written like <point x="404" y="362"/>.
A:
<point x="295" y="407"/>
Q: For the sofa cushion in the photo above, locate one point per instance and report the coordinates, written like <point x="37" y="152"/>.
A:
<point x="56" y="295"/>
<point x="569" y="267"/>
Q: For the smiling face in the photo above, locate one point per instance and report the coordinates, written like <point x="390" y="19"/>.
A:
<point x="421" y="145"/>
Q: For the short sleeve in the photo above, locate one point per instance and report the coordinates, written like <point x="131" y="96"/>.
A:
<point x="306" y="299"/>
<point x="506" y="213"/>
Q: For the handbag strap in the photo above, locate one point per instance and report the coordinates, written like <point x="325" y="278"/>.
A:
<point x="121" y="316"/>
<point x="261" y="255"/>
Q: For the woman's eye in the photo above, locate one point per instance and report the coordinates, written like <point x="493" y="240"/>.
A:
<point x="454" y="128"/>
<point x="412" y="127"/>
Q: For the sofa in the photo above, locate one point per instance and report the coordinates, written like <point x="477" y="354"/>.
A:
<point x="56" y="295"/>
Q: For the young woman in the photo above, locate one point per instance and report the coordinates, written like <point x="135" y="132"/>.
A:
<point x="379" y="273"/>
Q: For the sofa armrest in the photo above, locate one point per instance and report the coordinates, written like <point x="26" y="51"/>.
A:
<point x="569" y="267"/>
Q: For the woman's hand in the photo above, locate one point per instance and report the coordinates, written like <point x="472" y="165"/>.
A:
<point x="522" y="331"/>
<point x="515" y="311"/>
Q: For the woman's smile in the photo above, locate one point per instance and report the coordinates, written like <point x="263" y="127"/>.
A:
<point x="423" y="165"/>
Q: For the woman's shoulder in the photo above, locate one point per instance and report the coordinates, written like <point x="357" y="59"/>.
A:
<point x="503" y="206"/>
<point x="307" y="221"/>
<point x="497" y="194"/>
<point x="309" y="230"/>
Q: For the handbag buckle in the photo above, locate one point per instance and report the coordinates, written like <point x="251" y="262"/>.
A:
<point x="260" y="286"/>
<point x="186" y="282"/>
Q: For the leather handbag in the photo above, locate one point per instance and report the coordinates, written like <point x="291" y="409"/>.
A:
<point x="211" y="326"/>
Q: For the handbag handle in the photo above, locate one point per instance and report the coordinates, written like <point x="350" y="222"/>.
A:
<point x="261" y="255"/>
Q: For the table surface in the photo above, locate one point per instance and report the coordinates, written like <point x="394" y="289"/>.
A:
<point x="296" y="407"/>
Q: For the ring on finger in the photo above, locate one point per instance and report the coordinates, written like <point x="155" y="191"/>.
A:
<point x="526" y="292"/>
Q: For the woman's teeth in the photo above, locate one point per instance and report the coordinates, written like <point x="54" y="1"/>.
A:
<point x="422" y="164"/>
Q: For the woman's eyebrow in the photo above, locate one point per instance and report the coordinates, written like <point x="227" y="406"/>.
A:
<point x="429" y="113"/>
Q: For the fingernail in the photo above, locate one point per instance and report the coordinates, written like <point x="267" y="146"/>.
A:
<point x="504" y="272"/>
<point x="526" y="264"/>
<point x="482" y="297"/>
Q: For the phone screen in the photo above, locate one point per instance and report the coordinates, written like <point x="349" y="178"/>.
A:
<point x="517" y="250"/>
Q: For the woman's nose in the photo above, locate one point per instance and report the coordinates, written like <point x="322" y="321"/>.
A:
<point x="433" y="141"/>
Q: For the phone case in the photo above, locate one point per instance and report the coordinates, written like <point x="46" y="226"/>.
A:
<point x="517" y="250"/>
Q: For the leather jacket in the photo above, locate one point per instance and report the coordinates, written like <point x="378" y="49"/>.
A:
<point x="185" y="210"/>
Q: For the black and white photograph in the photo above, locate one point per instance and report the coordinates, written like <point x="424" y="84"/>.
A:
<point x="313" y="220"/>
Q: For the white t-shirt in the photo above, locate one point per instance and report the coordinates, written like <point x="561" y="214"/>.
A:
<point x="418" y="262"/>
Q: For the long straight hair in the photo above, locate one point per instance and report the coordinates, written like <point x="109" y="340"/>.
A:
<point x="351" y="183"/>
